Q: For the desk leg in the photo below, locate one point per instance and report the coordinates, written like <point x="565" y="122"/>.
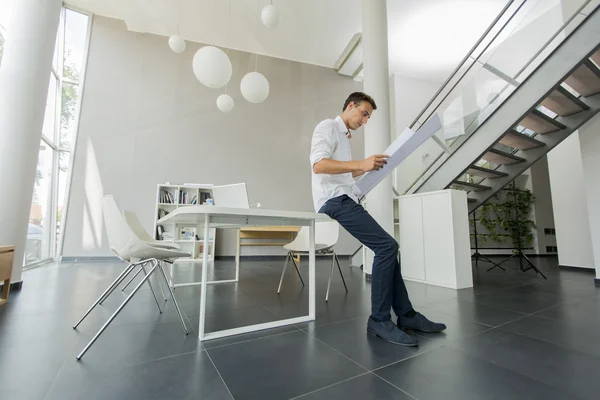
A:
<point x="237" y="256"/>
<point x="311" y="271"/>
<point x="5" y="291"/>
<point x="201" y="326"/>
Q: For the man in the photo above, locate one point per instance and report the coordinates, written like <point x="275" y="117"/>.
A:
<point x="333" y="194"/>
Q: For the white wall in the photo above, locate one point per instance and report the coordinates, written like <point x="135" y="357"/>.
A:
<point x="571" y="216"/>
<point x="589" y="136"/>
<point x="145" y="120"/>
<point x="544" y="217"/>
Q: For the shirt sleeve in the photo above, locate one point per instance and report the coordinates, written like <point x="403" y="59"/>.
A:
<point x="323" y="143"/>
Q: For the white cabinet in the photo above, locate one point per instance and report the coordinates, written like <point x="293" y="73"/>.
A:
<point x="434" y="238"/>
<point x="189" y="238"/>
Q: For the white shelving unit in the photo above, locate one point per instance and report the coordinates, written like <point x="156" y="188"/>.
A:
<point x="168" y="199"/>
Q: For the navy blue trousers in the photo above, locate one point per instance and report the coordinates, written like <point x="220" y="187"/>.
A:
<point x="387" y="286"/>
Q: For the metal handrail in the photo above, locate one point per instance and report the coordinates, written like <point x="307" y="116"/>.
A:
<point x="511" y="81"/>
<point x="460" y="64"/>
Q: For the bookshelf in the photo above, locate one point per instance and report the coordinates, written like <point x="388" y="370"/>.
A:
<point x="188" y="237"/>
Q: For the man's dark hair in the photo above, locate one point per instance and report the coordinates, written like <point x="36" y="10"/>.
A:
<point x="357" y="97"/>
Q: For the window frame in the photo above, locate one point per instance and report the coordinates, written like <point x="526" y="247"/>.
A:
<point x="57" y="241"/>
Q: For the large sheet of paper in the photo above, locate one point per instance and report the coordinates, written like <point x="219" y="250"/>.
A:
<point x="398" y="151"/>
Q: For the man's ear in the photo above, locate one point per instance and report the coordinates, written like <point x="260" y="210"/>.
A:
<point x="350" y="105"/>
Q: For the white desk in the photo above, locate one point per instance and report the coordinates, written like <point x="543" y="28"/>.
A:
<point x="222" y="217"/>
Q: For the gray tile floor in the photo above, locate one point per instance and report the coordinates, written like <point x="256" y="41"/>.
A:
<point x="512" y="336"/>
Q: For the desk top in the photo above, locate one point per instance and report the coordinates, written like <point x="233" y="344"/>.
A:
<point x="6" y="249"/>
<point x="237" y="217"/>
<point x="271" y="229"/>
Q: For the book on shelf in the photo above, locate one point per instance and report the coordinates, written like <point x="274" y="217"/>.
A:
<point x="187" y="233"/>
<point x="166" y="197"/>
<point x="204" y="196"/>
<point x="162" y="213"/>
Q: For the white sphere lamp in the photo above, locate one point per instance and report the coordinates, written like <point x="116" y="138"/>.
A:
<point x="270" y="16"/>
<point x="212" y="67"/>
<point x="177" y="44"/>
<point x="254" y="87"/>
<point x="225" y="103"/>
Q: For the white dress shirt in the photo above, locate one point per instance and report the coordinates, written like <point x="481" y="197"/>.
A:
<point x="331" y="140"/>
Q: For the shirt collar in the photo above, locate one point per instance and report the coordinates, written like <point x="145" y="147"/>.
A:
<point x="341" y="127"/>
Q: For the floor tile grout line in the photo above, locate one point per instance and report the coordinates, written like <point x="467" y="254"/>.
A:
<point x="457" y="316"/>
<point x="428" y="351"/>
<point x="62" y="365"/>
<point x="136" y="364"/>
<point x="255" y="339"/>
<point x="545" y="341"/>
<point x="337" y="322"/>
<point x="467" y="301"/>
<point x="390" y="383"/>
<point x="340" y="353"/>
<point x="328" y="386"/>
<point x="405" y="359"/>
<point x="509" y="369"/>
<point x="218" y="372"/>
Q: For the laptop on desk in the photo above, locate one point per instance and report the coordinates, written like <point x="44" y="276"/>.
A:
<point x="234" y="196"/>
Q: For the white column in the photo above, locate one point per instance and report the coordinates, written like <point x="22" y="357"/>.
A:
<point x="377" y="131"/>
<point x="24" y="73"/>
<point x="565" y="170"/>
<point x="589" y="135"/>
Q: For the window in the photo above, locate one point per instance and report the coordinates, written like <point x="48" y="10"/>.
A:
<point x="1" y="42"/>
<point x="51" y="186"/>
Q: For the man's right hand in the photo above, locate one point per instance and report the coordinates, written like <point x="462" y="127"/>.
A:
<point x="374" y="163"/>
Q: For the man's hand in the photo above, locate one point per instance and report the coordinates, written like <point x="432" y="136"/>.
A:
<point x="373" y="163"/>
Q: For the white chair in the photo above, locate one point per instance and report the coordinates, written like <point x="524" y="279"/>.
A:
<point x="136" y="252"/>
<point x="136" y="225"/>
<point x="326" y="236"/>
<point x="137" y="228"/>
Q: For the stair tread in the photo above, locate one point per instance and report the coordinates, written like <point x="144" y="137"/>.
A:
<point x="585" y="79"/>
<point x="519" y="141"/>
<point x="485" y="172"/>
<point x="472" y="186"/>
<point x="540" y="123"/>
<point x="596" y="57"/>
<point x="505" y="154"/>
<point x="563" y="103"/>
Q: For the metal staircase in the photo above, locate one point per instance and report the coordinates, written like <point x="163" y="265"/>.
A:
<point x="570" y="112"/>
<point x="530" y="111"/>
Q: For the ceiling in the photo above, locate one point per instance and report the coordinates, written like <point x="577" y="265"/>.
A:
<point x="427" y="38"/>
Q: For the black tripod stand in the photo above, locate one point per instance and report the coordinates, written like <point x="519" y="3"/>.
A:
<point x="477" y="255"/>
<point x="519" y="253"/>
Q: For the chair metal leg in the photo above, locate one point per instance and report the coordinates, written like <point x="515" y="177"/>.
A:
<point x="131" y="280"/>
<point x="112" y="317"/>
<point x="330" y="273"/>
<point x="297" y="269"/>
<point x="283" y="272"/>
<point x="108" y="290"/>
<point x="173" y="297"/>
<point x="340" y="269"/>
<point x="121" y="279"/>
<point x="160" y="286"/>
<point x="152" y="289"/>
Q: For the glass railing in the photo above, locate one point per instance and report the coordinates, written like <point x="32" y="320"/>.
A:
<point x="521" y="37"/>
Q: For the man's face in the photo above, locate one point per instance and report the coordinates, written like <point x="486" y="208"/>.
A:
<point x="358" y="114"/>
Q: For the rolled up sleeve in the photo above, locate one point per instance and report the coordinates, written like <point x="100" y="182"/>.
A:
<point x="322" y="145"/>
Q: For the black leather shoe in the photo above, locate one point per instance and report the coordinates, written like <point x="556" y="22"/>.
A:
<point x="391" y="333"/>
<point x="420" y="323"/>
